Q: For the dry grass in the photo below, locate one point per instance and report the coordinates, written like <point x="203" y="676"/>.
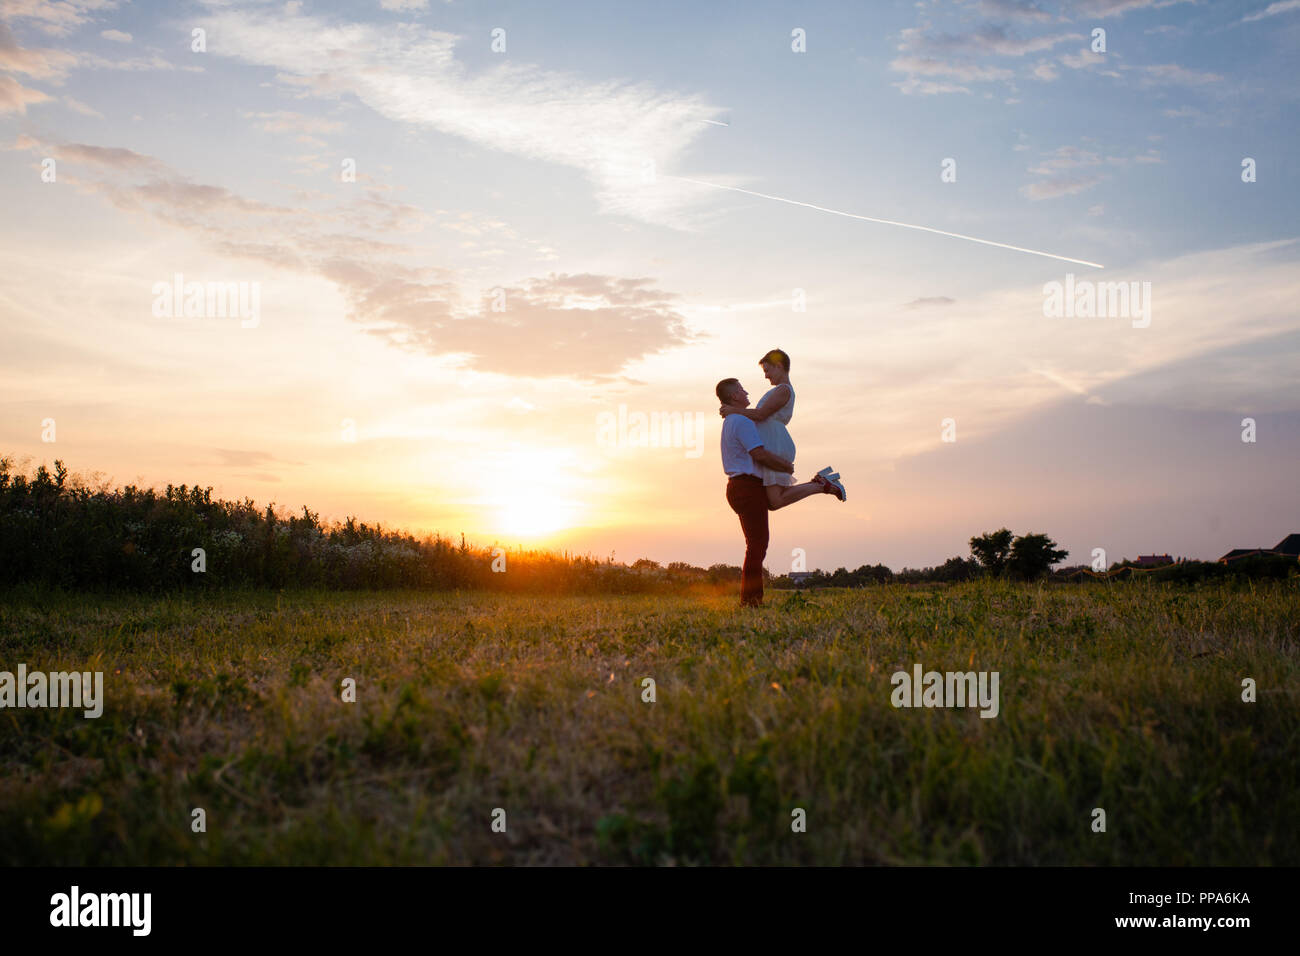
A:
<point x="1121" y="697"/>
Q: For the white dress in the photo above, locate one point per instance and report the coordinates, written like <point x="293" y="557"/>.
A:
<point x="777" y="440"/>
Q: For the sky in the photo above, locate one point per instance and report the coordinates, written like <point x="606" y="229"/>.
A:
<point x="481" y="245"/>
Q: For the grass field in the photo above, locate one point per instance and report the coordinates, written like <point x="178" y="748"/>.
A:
<point x="1124" y="697"/>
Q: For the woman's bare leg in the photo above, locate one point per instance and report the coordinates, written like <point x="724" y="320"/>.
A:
<point x="778" y="496"/>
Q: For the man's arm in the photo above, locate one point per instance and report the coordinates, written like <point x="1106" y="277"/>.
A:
<point x="747" y="433"/>
<point x="775" y="462"/>
<point x="768" y="405"/>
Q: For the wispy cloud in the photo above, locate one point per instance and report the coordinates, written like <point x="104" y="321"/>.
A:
<point x="1174" y="74"/>
<point x="1117" y="8"/>
<point x="957" y="69"/>
<point x="583" y="326"/>
<point x="15" y="98"/>
<point x="283" y="121"/>
<point x="1272" y="10"/>
<point x="55" y="17"/>
<point x="1022" y="10"/>
<point x="55" y="65"/>
<point x="987" y="39"/>
<point x="579" y="326"/>
<point x="619" y="134"/>
<point x="937" y="62"/>
<point x="79" y="107"/>
<point x="1064" y="185"/>
<point x="39" y="64"/>
<point x="1073" y="169"/>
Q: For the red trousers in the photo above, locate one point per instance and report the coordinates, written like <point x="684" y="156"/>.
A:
<point x="748" y="499"/>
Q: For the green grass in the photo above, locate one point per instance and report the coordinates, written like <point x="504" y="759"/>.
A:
<point x="1121" y="697"/>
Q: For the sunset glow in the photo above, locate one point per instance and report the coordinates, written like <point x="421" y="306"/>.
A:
<point x="460" y="257"/>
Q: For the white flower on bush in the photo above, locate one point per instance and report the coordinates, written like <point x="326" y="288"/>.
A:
<point x="226" y="540"/>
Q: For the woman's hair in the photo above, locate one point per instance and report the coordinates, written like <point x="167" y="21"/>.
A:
<point x="777" y="357"/>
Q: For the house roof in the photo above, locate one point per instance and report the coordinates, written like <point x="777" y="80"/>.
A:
<point x="1238" y="553"/>
<point x="1289" y="545"/>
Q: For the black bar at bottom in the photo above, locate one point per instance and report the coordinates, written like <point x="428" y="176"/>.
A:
<point x="333" y="905"/>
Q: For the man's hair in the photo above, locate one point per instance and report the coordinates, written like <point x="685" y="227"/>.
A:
<point x="777" y="357"/>
<point x="723" y="391"/>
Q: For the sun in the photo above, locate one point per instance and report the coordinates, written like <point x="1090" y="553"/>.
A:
<point x="534" y="513"/>
<point x="527" y="491"/>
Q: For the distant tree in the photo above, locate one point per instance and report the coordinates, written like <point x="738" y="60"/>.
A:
<point x="867" y="574"/>
<point x="992" y="549"/>
<point x="1032" y="556"/>
<point x="723" y="573"/>
<point x="645" y="564"/>
<point x="958" y="569"/>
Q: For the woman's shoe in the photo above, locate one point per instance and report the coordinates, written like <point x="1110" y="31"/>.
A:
<point x="833" y="486"/>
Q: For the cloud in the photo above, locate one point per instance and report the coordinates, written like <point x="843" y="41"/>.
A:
<point x="54" y="65"/>
<point x="1066" y="157"/>
<point x="38" y="64"/>
<point x="1057" y="186"/>
<point x="988" y="39"/>
<point x="612" y="131"/>
<point x="1059" y="166"/>
<point x="1015" y="10"/>
<point x="1272" y="10"/>
<point x="1175" y="74"/>
<point x="958" y="69"/>
<point x="580" y="326"/>
<point x="1058" y="379"/>
<point x="116" y="36"/>
<point x="111" y="157"/>
<point x="15" y="98"/>
<point x="403" y="5"/>
<point x="928" y="87"/>
<point x="929" y="301"/>
<point x="955" y="59"/>
<point x="1117" y="8"/>
<point x="80" y="107"/>
<point x="283" y="121"/>
<point x="1084" y="58"/>
<point x="55" y="17"/>
<point x="584" y="326"/>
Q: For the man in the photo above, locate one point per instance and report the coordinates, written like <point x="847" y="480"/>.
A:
<point x="741" y="450"/>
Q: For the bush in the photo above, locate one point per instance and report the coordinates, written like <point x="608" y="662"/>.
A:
<point x="61" y="533"/>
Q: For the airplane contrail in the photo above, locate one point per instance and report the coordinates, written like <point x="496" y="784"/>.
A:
<point x="891" y="222"/>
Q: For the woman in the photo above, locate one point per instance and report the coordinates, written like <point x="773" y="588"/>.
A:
<point x="771" y="415"/>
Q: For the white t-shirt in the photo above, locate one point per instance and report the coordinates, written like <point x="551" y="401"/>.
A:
<point x="739" y="438"/>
